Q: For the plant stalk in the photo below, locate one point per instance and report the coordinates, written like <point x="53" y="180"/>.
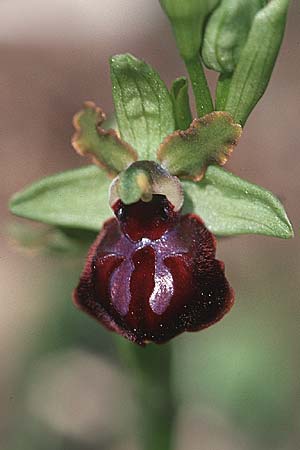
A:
<point x="204" y="103"/>
<point x="223" y="87"/>
<point x="151" y="368"/>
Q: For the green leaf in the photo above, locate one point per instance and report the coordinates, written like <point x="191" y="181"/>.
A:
<point x="76" y="199"/>
<point x="104" y="146"/>
<point x="230" y="206"/>
<point x="209" y="139"/>
<point x="257" y="60"/>
<point x="226" y="33"/>
<point x="181" y="103"/>
<point x="187" y="18"/>
<point x="143" y="105"/>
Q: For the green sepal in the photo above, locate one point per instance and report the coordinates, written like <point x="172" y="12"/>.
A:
<point x="104" y="146"/>
<point x="227" y="204"/>
<point x="143" y="105"/>
<point x="231" y="206"/>
<point x="257" y="60"/>
<point x="75" y="198"/>
<point x="181" y="103"/>
<point x="226" y="33"/>
<point x="208" y="140"/>
<point x="187" y="18"/>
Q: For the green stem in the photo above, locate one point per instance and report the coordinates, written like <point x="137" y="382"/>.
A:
<point x="204" y="104"/>
<point x="181" y="103"/>
<point x="223" y="86"/>
<point x="151" y="369"/>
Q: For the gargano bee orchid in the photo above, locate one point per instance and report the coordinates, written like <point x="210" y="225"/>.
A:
<point x="152" y="272"/>
<point x="157" y="197"/>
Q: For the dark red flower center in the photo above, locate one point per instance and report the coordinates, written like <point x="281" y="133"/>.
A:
<point x="146" y="219"/>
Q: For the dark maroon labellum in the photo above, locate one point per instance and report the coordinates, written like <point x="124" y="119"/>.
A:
<point x="152" y="274"/>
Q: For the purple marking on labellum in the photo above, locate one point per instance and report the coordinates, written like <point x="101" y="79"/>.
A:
<point x="163" y="280"/>
<point x="152" y="274"/>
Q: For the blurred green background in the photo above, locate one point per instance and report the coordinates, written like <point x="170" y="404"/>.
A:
<point x="62" y="386"/>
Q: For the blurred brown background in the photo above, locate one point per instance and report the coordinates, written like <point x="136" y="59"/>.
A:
<point x="238" y="383"/>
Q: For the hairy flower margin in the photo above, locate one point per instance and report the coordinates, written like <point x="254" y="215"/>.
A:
<point x="152" y="274"/>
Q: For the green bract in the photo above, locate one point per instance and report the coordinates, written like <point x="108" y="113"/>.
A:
<point x="257" y="59"/>
<point x="143" y="105"/>
<point x="226" y="33"/>
<point x="227" y="204"/>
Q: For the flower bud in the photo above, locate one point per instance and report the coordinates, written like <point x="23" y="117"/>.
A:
<point x="187" y="18"/>
<point x="226" y="33"/>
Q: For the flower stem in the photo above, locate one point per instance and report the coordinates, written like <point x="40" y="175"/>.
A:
<point x="222" y="91"/>
<point x="151" y="367"/>
<point x="204" y="103"/>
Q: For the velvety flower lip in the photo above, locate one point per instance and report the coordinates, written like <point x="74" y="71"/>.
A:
<point x="152" y="274"/>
